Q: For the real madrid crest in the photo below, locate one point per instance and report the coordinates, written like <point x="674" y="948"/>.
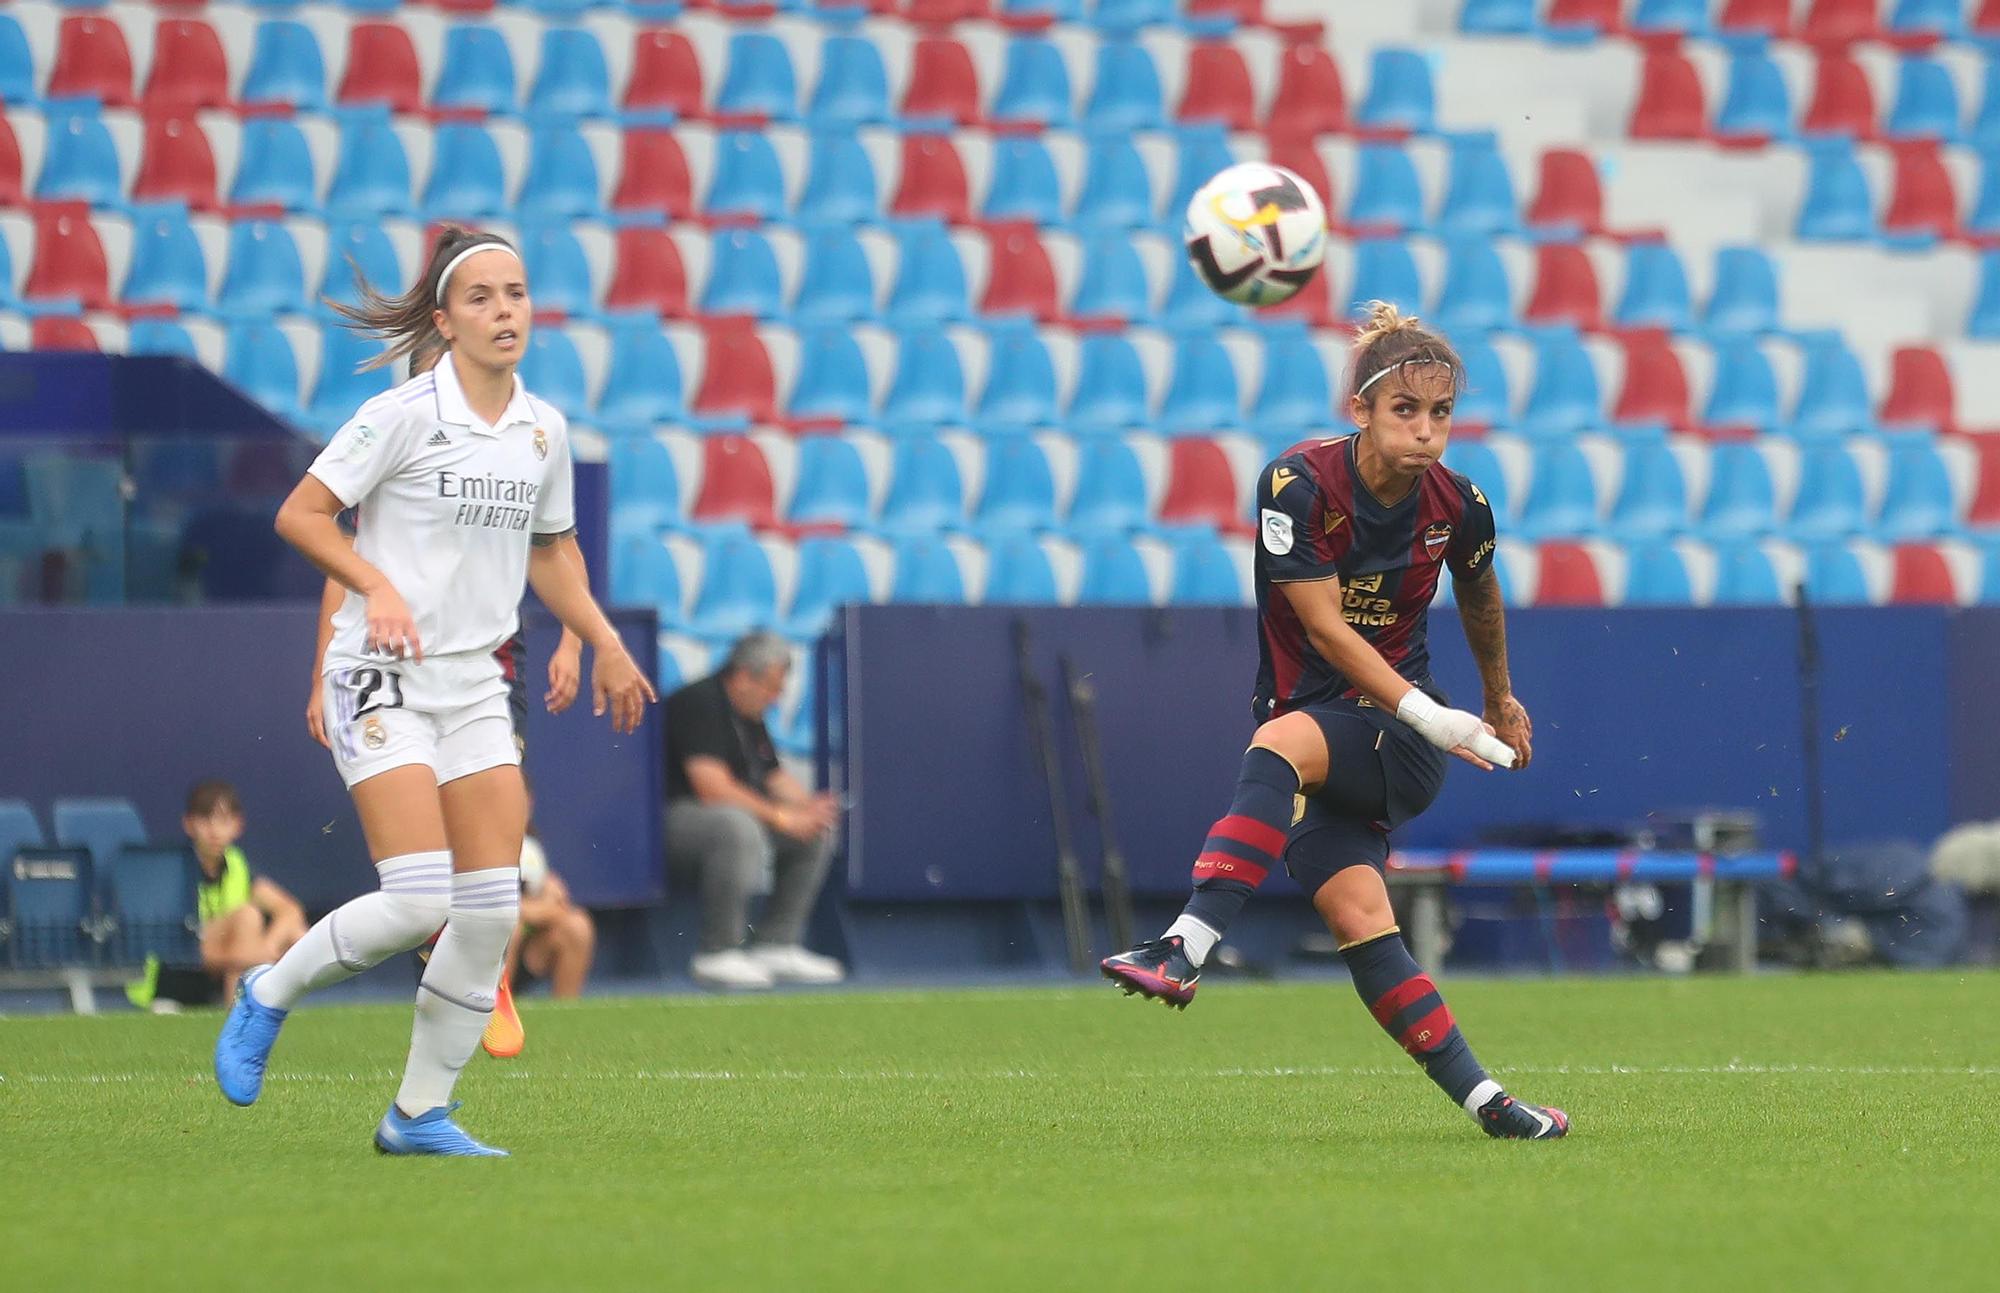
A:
<point x="373" y="734"/>
<point x="541" y="443"/>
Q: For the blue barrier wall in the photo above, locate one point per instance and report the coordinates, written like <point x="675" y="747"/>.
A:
<point x="142" y="703"/>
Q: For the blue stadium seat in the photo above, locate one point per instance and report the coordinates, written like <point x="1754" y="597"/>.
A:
<point x="1486" y="400"/>
<point x="1755" y="101"/>
<point x="748" y="180"/>
<point x="1116" y="193"/>
<point x="1476" y="296"/>
<point x="1744" y="576"/>
<point x="1687" y="16"/>
<point x="1918" y="502"/>
<point x="343" y="386"/>
<point x="1018" y="572"/>
<point x="1034" y="84"/>
<point x="1055" y="10"/>
<point x="929" y="386"/>
<point x="368" y="247"/>
<point x="1984" y="218"/>
<point x="1387" y="193"/>
<point x="1833" y="393"/>
<point x="1926" y="102"/>
<point x="833" y="484"/>
<point x="1400" y="96"/>
<point x="160" y="337"/>
<point x="6" y="274"/>
<point x="1834" y="576"/>
<point x="1479" y="194"/>
<point x="1020" y="380"/>
<point x="1984" y="321"/>
<point x="1114" y="574"/>
<point x="1985" y="129"/>
<point x="1130" y="15"/>
<point x="853" y="86"/>
<point x="1942" y="16"/>
<point x="1295" y="394"/>
<point x="1744" y="298"/>
<point x="1024" y="185"/>
<point x="1202" y="396"/>
<point x="1656" y="289"/>
<point x="152" y="899"/>
<point x="738" y="591"/>
<point x="1113" y="283"/>
<point x="1831" y="502"/>
<point x="832" y="381"/>
<point x="757" y="80"/>
<point x="1652" y="497"/>
<point x="1020" y="492"/>
<point x="645" y="486"/>
<point x="265" y="275"/>
<point x="1125" y="94"/>
<point x="558" y="271"/>
<point x="1655" y="575"/>
<point x="1203" y="152"/>
<point x="1110" y="391"/>
<point x="642" y="382"/>
<point x="1110" y="487"/>
<point x="553" y="370"/>
<point x="258" y="360"/>
<point x="1190" y="303"/>
<point x="1203" y="574"/>
<point x="18" y="829"/>
<point x="926" y="571"/>
<point x="1384" y="270"/>
<point x="561" y="183"/>
<point x="930" y="277"/>
<point x="572" y="78"/>
<point x="1565" y="396"/>
<point x="167" y="266"/>
<point x="840" y="181"/>
<point x="1476" y="461"/>
<point x="742" y="276"/>
<point x="275" y="167"/>
<point x="371" y="179"/>
<point x="1742" y="501"/>
<point x="1498" y="17"/>
<point x="1744" y="392"/>
<point x="465" y="181"/>
<point x="926" y="493"/>
<point x="79" y="161"/>
<point x="48" y="903"/>
<point x="1987" y="552"/>
<point x="17" y="64"/>
<point x="1562" y="494"/>
<point x="1837" y="204"/>
<point x="99" y="826"/>
<point x="836" y="285"/>
<point x="831" y="574"/>
<point x="476" y="71"/>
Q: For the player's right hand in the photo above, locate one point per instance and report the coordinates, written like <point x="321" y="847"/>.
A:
<point x="316" y="715"/>
<point x="391" y="628"/>
<point x="1454" y="731"/>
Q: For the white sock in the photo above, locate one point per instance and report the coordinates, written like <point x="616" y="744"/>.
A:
<point x="1480" y="1095"/>
<point x="1198" y="939"/>
<point x="406" y="910"/>
<point x="455" y="998"/>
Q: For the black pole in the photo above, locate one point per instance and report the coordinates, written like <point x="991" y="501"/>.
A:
<point x="1814" y="870"/>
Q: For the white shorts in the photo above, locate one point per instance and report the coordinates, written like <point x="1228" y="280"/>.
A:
<point x="452" y="719"/>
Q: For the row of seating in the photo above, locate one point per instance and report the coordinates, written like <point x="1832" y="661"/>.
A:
<point x="96" y="893"/>
<point x="1836" y="21"/>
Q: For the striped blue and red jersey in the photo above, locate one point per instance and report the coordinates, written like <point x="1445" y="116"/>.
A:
<point x="1317" y="520"/>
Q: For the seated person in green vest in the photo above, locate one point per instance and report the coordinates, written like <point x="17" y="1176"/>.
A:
<point x="246" y="919"/>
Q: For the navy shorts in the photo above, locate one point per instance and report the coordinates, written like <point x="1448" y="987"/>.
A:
<point x="517" y="705"/>
<point x="1380" y="774"/>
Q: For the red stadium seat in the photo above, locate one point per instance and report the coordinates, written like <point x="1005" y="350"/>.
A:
<point x="189" y="68"/>
<point x="944" y="11"/>
<point x="177" y="165"/>
<point x="648" y="274"/>
<point x="1312" y="305"/>
<point x="465" y="6"/>
<point x="736" y="379"/>
<point x="933" y="180"/>
<point x="1986" y="19"/>
<point x="666" y="75"/>
<point x="654" y="177"/>
<point x="1020" y="279"/>
<point x="1218" y="87"/>
<point x="92" y="62"/>
<point x="1201" y="487"/>
<point x="69" y="261"/>
<point x="10" y="165"/>
<point x="1309" y="100"/>
<point x="381" y="68"/>
<point x="61" y="332"/>
<point x="1670" y="104"/>
<point x="1772" y="17"/>
<point x="1570" y="194"/>
<point x="735" y="483"/>
<point x="1920" y="391"/>
<point x="1656" y="387"/>
<point x="1566" y="289"/>
<point x="1568" y="576"/>
<point x="944" y="85"/>
<point x="1923" y="201"/>
<point x="1985" y="508"/>
<point x="1841" y="20"/>
<point x="1296" y="154"/>
<point x="1246" y="11"/>
<point x="1842" y="102"/>
<point x="1603" y="15"/>
<point x="1920" y="575"/>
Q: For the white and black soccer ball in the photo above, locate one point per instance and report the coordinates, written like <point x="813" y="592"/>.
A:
<point x="1256" y="233"/>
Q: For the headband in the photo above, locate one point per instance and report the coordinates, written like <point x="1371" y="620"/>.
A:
<point x="491" y="244"/>
<point x="1363" y="388"/>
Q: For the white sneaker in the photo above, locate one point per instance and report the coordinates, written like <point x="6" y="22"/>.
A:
<point x="794" y="964"/>
<point x="733" y="970"/>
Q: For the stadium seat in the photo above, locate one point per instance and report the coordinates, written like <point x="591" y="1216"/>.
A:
<point x="1920" y="392"/>
<point x="559" y="271"/>
<point x="833" y="484"/>
<point x="736" y="378"/>
<point x="1018" y="572"/>
<point x="371" y="178"/>
<point x="1294" y="395"/>
<point x="1566" y="288"/>
<point x="739" y="591"/>
<point x="465" y="181"/>
<point x="1486" y="400"/>
<point x="653" y="180"/>
<point x="1387" y="197"/>
<point x="1985" y="491"/>
<point x="1756" y="103"/>
<point x="1842" y="104"/>
<point x="12" y="193"/>
<point x="1384" y="270"/>
<point x="930" y="278"/>
<point x="758" y="82"/>
<point x="160" y="337"/>
<point x="366" y="244"/>
<point x="274" y="169"/>
<point x="928" y="388"/>
<point x="926" y="492"/>
<point x="853" y="85"/>
<point x="167" y="269"/>
<point x="933" y="180"/>
<point x="1562" y="494"/>
<point x="1400" y="97"/>
<point x="1655" y="575"/>
<point x="1743" y="394"/>
<point x="1919" y="575"/>
<point x="476" y="72"/>
<point x="18" y="828"/>
<point x="1569" y="196"/>
<point x="1110" y="390"/>
<point x="1655" y="389"/>
<point x="259" y="361"/>
<point x="1585" y="17"/>
<point x="1670" y="103"/>
<point x="100" y="827"/>
<point x="1020" y="388"/>
<point x="69" y="261"/>
<point x="1111" y="490"/>
<point x="92" y="61"/>
<point x="553" y="369"/>
<point x="1479" y="193"/>
<point x="1919" y="501"/>
<point x="561" y="182"/>
<point x="286" y="68"/>
<point x="1840" y="21"/>
<point x="748" y="184"/>
<point x="1834" y="576"/>
<point x="1202" y="397"/>
<point x="1112" y="287"/>
<point x="1763" y="17"/>
<point x="1204" y="574"/>
<point x="832" y="380"/>
<point x="742" y="276"/>
<point x="665" y="78"/>
<point x="176" y="164"/>
<point x="1218" y="88"/>
<point x="1498" y="17"/>
<point x="1019" y="491"/>
<point x="1744" y="576"/>
<point x="1034" y="84"/>
<point x="645" y="494"/>
<point x="1983" y="322"/>
<point x="1742" y="500"/>
<point x="1116" y="193"/>
<point x="48" y="905"/>
<point x="1567" y="575"/>
<point x="264" y="274"/>
<point x="1114" y="574"/>
<point x="1744" y="298"/>
<point x="343" y="384"/>
<point x="1310" y="100"/>
<point x="736" y="485"/>
<point x="1833" y="393"/>
<point x="1190" y="303"/>
<point x="1020" y="279"/>
<point x="1124" y="16"/>
<point x="840" y="182"/>
<point x="1565" y="396"/>
<point x="572" y="78"/>
<point x="1655" y="294"/>
<point x="79" y="161"/>
<point x="1916" y="17"/>
<point x="1201" y="486"/>
<point x="1125" y="92"/>
<point x="382" y="68"/>
<point x="926" y="571"/>
<point x="642" y="383"/>
<point x="943" y="88"/>
<point x="17" y="64"/>
<point x="1476" y="296"/>
<point x="1926" y="103"/>
<point x="1652" y="500"/>
<point x="1830" y="501"/>
<point x="1837" y="203"/>
<point x="1202" y="153"/>
<point x="62" y="332"/>
<point x="1923" y="204"/>
<point x="831" y="574"/>
<point x="836" y="284"/>
<point x="1024" y="184"/>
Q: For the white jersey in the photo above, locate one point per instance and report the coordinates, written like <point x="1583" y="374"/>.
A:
<point x="447" y="507"/>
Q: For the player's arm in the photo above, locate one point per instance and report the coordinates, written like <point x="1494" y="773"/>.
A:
<point x="1484" y="619"/>
<point x="330" y="598"/>
<point x="566" y="664"/>
<point x="1317" y="604"/>
<point x="559" y="580"/>
<point x="714" y="784"/>
<point x="307" y="520"/>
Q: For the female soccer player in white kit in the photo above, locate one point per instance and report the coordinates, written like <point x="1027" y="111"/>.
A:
<point x="463" y="483"/>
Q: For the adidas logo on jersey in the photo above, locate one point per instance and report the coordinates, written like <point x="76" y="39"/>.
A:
<point x="438" y="437"/>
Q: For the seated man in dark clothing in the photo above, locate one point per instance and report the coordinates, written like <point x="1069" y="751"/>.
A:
<point x="735" y="816"/>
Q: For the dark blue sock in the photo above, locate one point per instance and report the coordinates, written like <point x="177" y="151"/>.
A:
<point x="1410" y="1009"/>
<point x="1243" y="846"/>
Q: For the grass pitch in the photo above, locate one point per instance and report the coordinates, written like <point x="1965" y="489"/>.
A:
<point x="1769" y="1133"/>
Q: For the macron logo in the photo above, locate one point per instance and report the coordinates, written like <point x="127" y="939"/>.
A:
<point x="438" y="437"/>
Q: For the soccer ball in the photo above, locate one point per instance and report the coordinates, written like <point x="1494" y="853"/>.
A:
<point x="1256" y="233"/>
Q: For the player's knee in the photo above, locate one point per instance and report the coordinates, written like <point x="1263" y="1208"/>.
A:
<point x="1356" y="920"/>
<point x="416" y="916"/>
<point x="1297" y="740"/>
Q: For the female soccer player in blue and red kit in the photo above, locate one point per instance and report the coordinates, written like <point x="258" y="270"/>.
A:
<point x="1353" y="536"/>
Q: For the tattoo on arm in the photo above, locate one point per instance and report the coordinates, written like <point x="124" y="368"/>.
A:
<point x="551" y="540"/>
<point x="1485" y="622"/>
